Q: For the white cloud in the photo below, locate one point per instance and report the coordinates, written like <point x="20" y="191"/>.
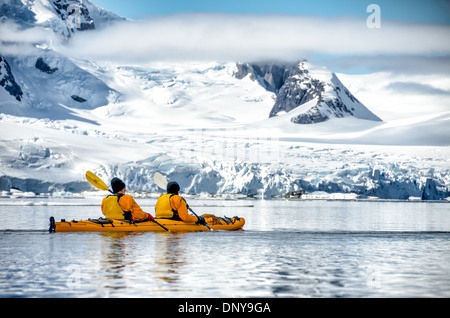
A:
<point x="399" y="63"/>
<point x="254" y="37"/>
<point x="16" y="40"/>
<point x="417" y="88"/>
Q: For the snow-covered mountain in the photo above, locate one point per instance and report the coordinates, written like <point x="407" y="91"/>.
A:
<point x="44" y="82"/>
<point x="251" y="128"/>
<point x="64" y="17"/>
<point x="320" y="93"/>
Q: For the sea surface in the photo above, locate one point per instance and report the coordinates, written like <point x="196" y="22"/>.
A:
<point x="314" y="248"/>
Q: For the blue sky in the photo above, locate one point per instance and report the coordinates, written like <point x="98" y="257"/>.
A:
<point x="434" y="11"/>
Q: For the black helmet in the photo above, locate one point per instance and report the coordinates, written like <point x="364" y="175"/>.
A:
<point x="173" y="187"/>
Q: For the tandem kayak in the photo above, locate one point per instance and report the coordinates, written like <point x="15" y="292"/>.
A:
<point x="107" y="225"/>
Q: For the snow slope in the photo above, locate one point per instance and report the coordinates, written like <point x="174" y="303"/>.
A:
<point x="50" y="83"/>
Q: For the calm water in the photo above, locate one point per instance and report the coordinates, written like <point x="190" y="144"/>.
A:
<point x="288" y="249"/>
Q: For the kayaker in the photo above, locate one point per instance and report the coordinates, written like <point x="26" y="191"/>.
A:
<point x="172" y="206"/>
<point x="121" y="206"/>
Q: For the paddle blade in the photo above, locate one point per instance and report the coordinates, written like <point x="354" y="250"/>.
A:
<point x="160" y="180"/>
<point x="96" y="181"/>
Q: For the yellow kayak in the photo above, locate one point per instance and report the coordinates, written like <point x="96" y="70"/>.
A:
<point x="107" y="225"/>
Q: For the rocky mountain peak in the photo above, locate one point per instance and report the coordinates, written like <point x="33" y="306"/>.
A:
<point x="301" y="83"/>
<point x="65" y="17"/>
<point x="74" y="13"/>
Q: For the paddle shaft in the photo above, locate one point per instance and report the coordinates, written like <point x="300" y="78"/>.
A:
<point x="165" y="228"/>
<point x="205" y="224"/>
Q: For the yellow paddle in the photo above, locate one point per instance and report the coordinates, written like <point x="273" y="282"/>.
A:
<point x="96" y="181"/>
<point x="99" y="184"/>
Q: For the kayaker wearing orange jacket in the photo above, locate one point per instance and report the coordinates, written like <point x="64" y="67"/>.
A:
<point x="120" y="206"/>
<point x="172" y="206"/>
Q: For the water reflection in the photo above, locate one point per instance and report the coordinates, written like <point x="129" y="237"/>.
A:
<point x="115" y="258"/>
<point x="170" y="257"/>
<point x="133" y="261"/>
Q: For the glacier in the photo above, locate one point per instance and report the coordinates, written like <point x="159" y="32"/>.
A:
<point x="264" y="130"/>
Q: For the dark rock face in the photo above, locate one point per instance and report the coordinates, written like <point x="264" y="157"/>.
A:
<point x="7" y="80"/>
<point x="298" y="89"/>
<point x="271" y="76"/>
<point x="312" y="116"/>
<point x="78" y="98"/>
<point x="75" y="13"/>
<point x="44" y="67"/>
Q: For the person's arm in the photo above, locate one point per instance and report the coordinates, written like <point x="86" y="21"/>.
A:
<point x="103" y="205"/>
<point x="129" y="204"/>
<point x="179" y="204"/>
